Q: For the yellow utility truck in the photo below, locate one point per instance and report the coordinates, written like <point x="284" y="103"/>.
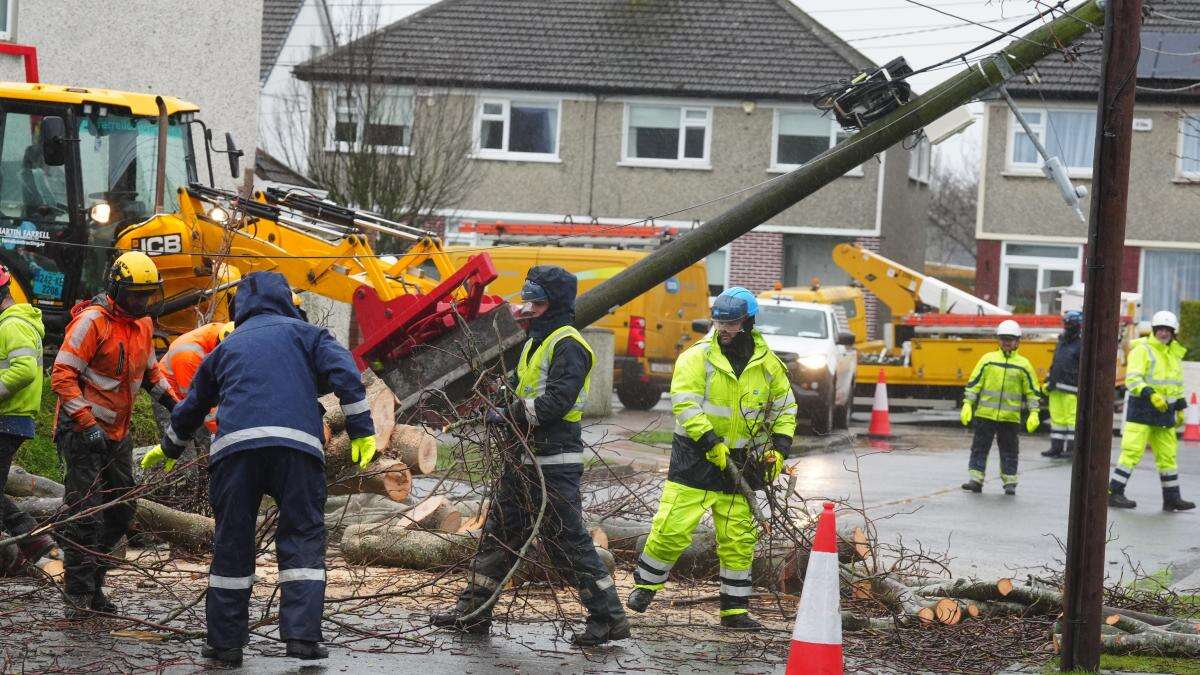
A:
<point x="649" y="332"/>
<point x="938" y="332"/>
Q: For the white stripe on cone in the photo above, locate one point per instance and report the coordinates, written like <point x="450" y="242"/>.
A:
<point x="817" y="638"/>
<point x="881" y="424"/>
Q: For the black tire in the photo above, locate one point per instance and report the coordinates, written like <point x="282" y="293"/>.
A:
<point x="841" y="417"/>
<point x="639" y="395"/>
<point x="822" y="417"/>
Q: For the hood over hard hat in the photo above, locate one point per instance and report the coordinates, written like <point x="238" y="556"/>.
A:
<point x="560" y="287"/>
<point x="264" y="293"/>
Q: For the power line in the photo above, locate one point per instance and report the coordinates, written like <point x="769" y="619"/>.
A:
<point x="937" y="28"/>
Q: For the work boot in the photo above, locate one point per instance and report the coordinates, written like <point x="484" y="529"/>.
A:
<point x="639" y="599"/>
<point x="35" y="548"/>
<point x="973" y="486"/>
<point x="599" y="631"/>
<point x="1118" y="500"/>
<point x="740" y="622"/>
<point x="1053" y="452"/>
<point x="306" y="650"/>
<point x="452" y="618"/>
<point x="1010" y="490"/>
<point x="231" y="656"/>
<point x="1174" y="501"/>
<point x="101" y="603"/>
<point x="78" y="607"/>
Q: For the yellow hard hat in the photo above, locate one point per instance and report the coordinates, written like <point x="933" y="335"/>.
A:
<point x="225" y="330"/>
<point x="134" y="284"/>
<point x="134" y="269"/>
<point x="296" y="300"/>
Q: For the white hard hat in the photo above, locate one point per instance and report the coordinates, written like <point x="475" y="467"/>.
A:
<point x="1165" y="318"/>
<point x="1008" y="328"/>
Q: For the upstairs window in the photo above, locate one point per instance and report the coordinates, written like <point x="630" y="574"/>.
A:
<point x="668" y="136"/>
<point x="1189" y="147"/>
<point x="919" y="161"/>
<point x="518" y="129"/>
<point x="1067" y="134"/>
<point x="801" y="135"/>
<point x="379" y="118"/>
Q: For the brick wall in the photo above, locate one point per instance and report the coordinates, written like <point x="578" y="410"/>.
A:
<point x="756" y="260"/>
<point x="987" y="270"/>
<point x="869" y="300"/>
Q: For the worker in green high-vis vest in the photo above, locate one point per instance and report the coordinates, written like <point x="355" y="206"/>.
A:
<point x="551" y="384"/>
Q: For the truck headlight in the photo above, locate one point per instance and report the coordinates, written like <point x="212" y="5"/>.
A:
<point x="814" y="361"/>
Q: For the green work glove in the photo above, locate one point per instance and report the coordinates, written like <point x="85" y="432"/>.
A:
<point x="967" y="413"/>
<point x="1159" y="403"/>
<point x="362" y="450"/>
<point x="718" y="455"/>
<point x="156" y="457"/>
<point x="774" y="462"/>
<point x="1032" y="422"/>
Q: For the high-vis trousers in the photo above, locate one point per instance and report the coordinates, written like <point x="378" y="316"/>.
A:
<point x="1062" y="419"/>
<point x="679" y="512"/>
<point x="1005" y="434"/>
<point x="237" y="483"/>
<point x="1164" y="445"/>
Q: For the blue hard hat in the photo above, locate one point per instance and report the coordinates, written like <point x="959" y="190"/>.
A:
<point x="734" y="304"/>
<point x="1073" y="318"/>
<point x="532" y="292"/>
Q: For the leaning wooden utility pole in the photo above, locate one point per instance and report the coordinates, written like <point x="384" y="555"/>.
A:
<point x="1084" y="593"/>
<point x="786" y="191"/>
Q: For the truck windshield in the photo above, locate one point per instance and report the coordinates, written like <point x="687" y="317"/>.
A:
<point x="34" y="214"/>
<point x="791" y="321"/>
<point x="117" y="156"/>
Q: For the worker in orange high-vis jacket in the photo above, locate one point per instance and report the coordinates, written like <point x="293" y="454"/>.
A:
<point x="107" y="355"/>
<point x="183" y="358"/>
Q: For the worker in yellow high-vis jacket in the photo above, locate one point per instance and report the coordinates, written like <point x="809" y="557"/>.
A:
<point x="1002" y="383"/>
<point x="1154" y="379"/>
<point x="733" y="402"/>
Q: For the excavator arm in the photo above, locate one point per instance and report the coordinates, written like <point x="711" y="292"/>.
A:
<point x="904" y="290"/>
<point x="415" y="310"/>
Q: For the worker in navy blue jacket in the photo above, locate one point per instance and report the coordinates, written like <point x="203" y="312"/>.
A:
<point x="265" y="379"/>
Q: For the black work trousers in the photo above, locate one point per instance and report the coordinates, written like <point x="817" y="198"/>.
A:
<point x="513" y="510"/>
<point x="14" y="520"/>
<point x="1005" y="434"/>
<point x="95" y="476"/>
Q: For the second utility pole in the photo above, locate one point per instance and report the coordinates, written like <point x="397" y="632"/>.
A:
<point x="1084" y="593"/>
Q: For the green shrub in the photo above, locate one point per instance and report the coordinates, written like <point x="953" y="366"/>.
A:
<point x="40" y="456"/>
<point x="1189" y="328"/>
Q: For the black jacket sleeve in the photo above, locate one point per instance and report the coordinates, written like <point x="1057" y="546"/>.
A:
<point x="569" y="367"/>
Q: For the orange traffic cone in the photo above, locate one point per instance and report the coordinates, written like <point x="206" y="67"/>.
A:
<point x="817" y="637"/>
<point x="881" y="425"/>
<point x="1191" y="429"/>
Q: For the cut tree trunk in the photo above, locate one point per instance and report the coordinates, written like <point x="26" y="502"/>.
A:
<point x="383" y="477"/>
<point x="21" y="483"/>
<point x="434" y="514"/>
<point x="188" y="531"/>
<point x="401" y="547"/>
<point x="414" y="446"/>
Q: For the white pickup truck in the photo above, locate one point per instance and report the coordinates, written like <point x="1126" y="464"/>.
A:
<point x="818" y="349"/>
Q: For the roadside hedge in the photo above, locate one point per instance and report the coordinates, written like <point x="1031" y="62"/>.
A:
<point x="1189" y="328"/>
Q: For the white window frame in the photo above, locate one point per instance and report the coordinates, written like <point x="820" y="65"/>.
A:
<point x="1042" y="130"/>
<point x="505" y="117"/>
<point x="834" y="130"/>
<point x="1184" y="131"/>
<point x="333" y="96"/>
<point x="10" y="15"/>
<point x="1040" y="264"/>
<point x="704" y="163"/>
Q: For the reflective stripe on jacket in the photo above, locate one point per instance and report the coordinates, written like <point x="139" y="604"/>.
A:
<point x="184" y="357"/>
<point x="21" y="333"/>
<point x="533" y="371"/>
<point x="1153" y="368"/>
<point x="105" y="357"/>
<point x="1001" y="385"/>
<point x="712" y="405"/>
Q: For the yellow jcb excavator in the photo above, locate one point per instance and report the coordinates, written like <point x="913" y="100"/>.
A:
<point x="86" y="173"/>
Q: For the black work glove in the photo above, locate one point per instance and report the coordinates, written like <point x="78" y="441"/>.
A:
<point x="170" y="448"/>
<point x="1180" y="404"/>
<point x="94" y="437"/>
<point x="494" y="418"/>
<point x="782" y="444"/>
